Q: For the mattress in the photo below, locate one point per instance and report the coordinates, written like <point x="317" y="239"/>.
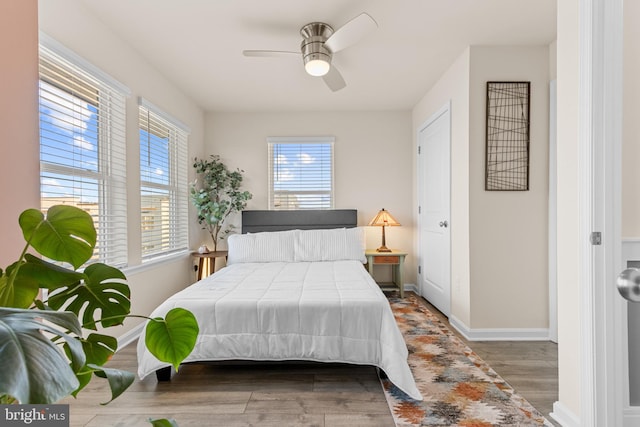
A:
<point x="311" y="311"/>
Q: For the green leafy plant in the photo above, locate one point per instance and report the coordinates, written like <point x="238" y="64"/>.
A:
<point x="44" y="355"/>
<point x="216" y="194"/>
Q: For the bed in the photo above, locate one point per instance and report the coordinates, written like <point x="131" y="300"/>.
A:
<point x="294" y="289"/>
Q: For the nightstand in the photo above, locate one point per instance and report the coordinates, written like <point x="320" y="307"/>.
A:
<point x="395" y="259"/>
<point x="210" y="257"/>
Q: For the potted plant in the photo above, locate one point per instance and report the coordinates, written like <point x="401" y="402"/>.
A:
<point x="44" y="355"/>
<point x="216" y="194"/>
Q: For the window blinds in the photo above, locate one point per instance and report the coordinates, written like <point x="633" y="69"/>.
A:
<point x="301" y="173"/>
<point x="82" y="149"/>
<point x="163" y="183"/>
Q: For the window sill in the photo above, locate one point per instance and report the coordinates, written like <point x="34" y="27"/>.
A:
<point x="155" y="262"/>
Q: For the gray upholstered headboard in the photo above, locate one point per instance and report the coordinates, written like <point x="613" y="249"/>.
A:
<point x="257" y="221"/>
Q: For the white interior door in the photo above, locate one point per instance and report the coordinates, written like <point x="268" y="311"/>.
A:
<point x="434" y="271"/>
<point x="604" y="399"/>
<point x="630" y="311"/>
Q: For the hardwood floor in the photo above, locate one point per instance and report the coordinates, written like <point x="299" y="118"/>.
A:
<point x="273" y="394"/>
<point x="300" y="394"/>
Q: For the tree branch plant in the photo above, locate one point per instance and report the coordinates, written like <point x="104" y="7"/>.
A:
<point x="44" y="355"/>
<point x="216" y="194"/>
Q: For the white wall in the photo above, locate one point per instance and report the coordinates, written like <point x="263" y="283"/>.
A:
<point x="373" y="162"/>
<point x="568" y="207"/>
<point x="453" y="86"/>
<point x="69" y="23"/>
<point x="19" y="147"/>
<point x="509" y="229"/>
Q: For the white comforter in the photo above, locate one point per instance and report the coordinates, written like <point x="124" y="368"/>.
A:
<point x="316" y="311"/>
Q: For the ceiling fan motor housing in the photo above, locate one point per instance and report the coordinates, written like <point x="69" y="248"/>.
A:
<point x="312" y="46"/>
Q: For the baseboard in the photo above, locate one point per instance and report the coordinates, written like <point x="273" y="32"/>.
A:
<point x="564" y="416"/>
<point x="499" y="334"/>
<point x="411" y="287"/>
<point x="130" y="336"/>
<point x="631" y="417"/>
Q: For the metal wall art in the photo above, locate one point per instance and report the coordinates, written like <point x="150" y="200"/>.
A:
<point x="507" y="138"/>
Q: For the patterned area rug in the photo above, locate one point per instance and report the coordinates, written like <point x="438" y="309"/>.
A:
<point x="458" y="387"/>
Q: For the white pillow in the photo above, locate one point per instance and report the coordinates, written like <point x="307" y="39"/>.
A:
<point x="331" y="245"/>
<point x="273" y="246"/>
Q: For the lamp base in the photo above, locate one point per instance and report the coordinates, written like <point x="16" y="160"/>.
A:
<point x="383" y="248"/>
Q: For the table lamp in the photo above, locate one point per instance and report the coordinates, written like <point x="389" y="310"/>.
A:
<point x="383" y="219"/>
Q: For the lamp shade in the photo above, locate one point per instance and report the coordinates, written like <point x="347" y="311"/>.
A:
<point x="383" y="219"/>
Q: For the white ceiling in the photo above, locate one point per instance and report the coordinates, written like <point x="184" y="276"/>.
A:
<point x="197" y="44"/>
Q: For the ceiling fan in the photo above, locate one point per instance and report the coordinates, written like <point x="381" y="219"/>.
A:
<point x="319" y="44"/>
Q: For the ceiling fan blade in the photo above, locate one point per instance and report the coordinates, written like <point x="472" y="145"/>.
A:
<point x="269" y="53"/>
<point x="351" y="32"/>
<point x="334" y="79"/>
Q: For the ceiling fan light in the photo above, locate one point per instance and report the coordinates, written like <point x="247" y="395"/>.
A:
<point x="317" y="67"/>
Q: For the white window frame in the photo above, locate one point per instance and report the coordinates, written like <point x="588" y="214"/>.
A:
<point x="271" y="141"/>
<point x="177" y="187"/>
<point x="111" y="215"/>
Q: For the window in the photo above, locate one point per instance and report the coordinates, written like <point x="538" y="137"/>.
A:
<point x="163" y="182"/>
<point x="82" y="145"/>
<point x="300" y="173"/>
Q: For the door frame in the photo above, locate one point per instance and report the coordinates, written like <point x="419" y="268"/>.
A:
<point x="553" y="214"/>
<point x="446" y="108"/>
<point x="600" y="140"/>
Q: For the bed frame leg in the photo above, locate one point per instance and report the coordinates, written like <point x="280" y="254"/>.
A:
<point x="164" y="374"/>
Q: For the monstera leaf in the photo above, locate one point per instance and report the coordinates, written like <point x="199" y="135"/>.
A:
<point x="23" y="280"/>
<point x="118" y="380"/>
<point x="103" y="296"/>
<point x="32" y="368"/>
<point x="43" y="356"/>
<point x="16" y="291"/>
<point x="172" y="339"/>
<point x="163" y="422"/>
<point x="66" y="234"/>
<point x="20" y="289"/>
<point x="98" y="350"/>
<point x="46" y="274"/>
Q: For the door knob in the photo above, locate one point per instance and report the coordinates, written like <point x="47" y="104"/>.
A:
<point x="628" y="283"/>
<point x="444" y="224"/>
